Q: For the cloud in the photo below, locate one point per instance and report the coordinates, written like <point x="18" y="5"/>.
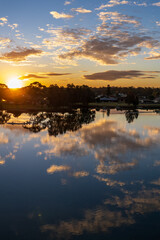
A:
<point x="112" y="3"/>
<point x="3" y="21"/>
<point x="55" y="168"/>
<point x="158" y="23"/>
<point x="112" y="75"/>
<point x="20" y="54"/>
<point x="153" y="55"/>
<point x="156" y="57"/>
<point x="108" y="50"/>
<point x="156" y="4"/>
<point x="81" y="10"/>
<point x="60" y="15"/>
<point x="75" y="33"/>
<point x="140" y="4"/>
<point x="118" y="18"/>
<point x="65" y="37"/>
<point x="56" y="74"/>
<point x="67" y="3"/>
<point x="13" y="26"/>
<point x="4" y="42"/>
<point x="42" y="75"/>
<point x="30" y="76"/>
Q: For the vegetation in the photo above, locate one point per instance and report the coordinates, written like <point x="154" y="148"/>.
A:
<point x="39" y="97"/>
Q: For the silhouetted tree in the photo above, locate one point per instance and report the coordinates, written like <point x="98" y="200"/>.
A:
<point x="108" y="90"/>
<point x="132" y="99"/>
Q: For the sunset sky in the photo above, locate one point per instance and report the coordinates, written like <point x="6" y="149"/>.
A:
<point x="92" y="42"/>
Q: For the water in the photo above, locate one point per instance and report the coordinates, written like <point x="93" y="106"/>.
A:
<point x="80" y="175"/>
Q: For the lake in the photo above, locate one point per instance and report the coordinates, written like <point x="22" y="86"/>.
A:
<point x="80" y="175"/>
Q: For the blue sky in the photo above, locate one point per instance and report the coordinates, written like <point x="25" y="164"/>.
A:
<point x="93" y="42"/>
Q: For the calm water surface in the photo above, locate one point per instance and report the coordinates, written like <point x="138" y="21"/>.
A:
<point x="80" y="176"/>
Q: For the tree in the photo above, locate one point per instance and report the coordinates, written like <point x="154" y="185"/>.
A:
<point x="132" y="99"/>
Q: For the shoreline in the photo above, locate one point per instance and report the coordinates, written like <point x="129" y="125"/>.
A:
<point x="108" y="105"/>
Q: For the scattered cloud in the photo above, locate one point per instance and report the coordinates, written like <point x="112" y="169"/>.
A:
<point x="20" y="54"/>
<point x="108" y="50"/>
<point x="60" y="15"/>
<point x="28" y="76"/>
<point x="42" y="75"/>
<point x="81" y="10"/>
<point x="156" y="4"/>
<point x="3" y="21"/>
<point x="67" y="3"/>
<point x="112" y="3"/>
<point x="4" y="42"/>
<point x="112" y="75"/>
<point x="158" y="23"/>
<point x="140" y="4"/>
<point x="13" y="26"/>
<point x="154" y="55"/>
<point x="51" y="74"/>
<point x="118" y="18"/>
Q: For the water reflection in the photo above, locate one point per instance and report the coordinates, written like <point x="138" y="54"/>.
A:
<point x="131" y="115"/>
<point x="80" y="176"/>
<point x="58" y="123"/>
<point x="4" y="117"/>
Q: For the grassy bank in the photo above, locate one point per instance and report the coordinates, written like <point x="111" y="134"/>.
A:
<point x="26" y="108"/>
<point x="123" y="105"/>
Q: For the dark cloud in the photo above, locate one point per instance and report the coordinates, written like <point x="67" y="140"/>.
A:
<point x="44" y="75"/>
<point x="30" y="76"/>
<point x="20" y="54"/>
<point x="111" y="49"/>
<point x="112" y="75"/>
<point x="75" y="33"/>
<point x="56" y="74"/>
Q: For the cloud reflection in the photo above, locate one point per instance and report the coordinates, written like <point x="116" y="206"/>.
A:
<point x="94" y="221"/>
<point x="55" y="168"/>
<point x="106" y="140"/>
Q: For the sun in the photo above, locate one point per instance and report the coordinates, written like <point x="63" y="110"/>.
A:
<point x="14" y="83"/>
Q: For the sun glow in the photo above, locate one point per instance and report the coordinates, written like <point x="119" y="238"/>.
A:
<point x="14" y="83"/>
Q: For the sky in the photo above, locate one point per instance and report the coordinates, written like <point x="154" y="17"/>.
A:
<point x="91" y="42"/>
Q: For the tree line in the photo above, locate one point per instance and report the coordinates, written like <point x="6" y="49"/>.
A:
<point x="54" y="95"/>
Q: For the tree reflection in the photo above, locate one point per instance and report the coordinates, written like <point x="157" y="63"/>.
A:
<point x="4" y="117"/>
<point x="131" y="115"/>
<point x="58" y="123"/>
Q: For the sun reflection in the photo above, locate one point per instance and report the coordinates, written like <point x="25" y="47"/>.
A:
<point x="14" y="83"/>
